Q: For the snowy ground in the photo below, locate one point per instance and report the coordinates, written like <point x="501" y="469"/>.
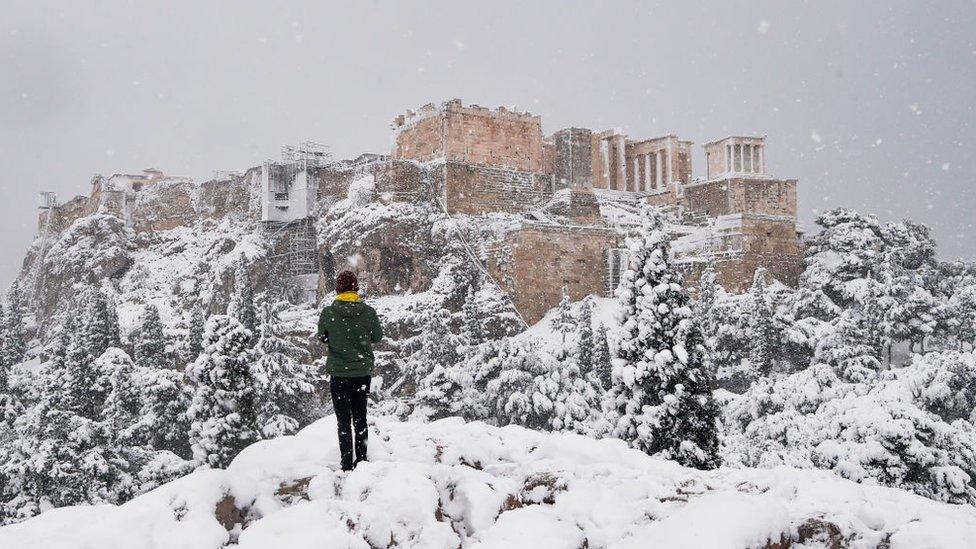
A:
<point x="449" y="484"/>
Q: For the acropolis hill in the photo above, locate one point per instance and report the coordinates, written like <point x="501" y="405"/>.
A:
<point x="561" y="205"/>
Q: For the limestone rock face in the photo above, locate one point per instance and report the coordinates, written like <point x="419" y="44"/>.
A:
<point x="92" y="249"/>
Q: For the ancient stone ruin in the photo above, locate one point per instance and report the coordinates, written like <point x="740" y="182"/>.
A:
<point x="562" y="204"/>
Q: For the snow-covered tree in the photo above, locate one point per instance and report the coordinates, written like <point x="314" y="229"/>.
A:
<point x="10" y="405"/>
<point x="763" y="335"/>
<point x="472" y="329"/>
<point x="149" y="341"/>
<point x="436" y="364"/>
<point x="241" y="304"/>
<point x="880" y="430"/>
<point x="535" y="389"/>
<point x="602" y="366"/>
<point x="847" y="249"/>
<point x="563" y="322"/>
<point x="124" y="401"/>
<point x="661" y="391"/>
<point x="847" y="349"/>
<point x="78" y="386"/>
<point x="97" y="329"/>
<point x="586" y="343"/>
<point x="13" y="344"/>
<point x="447" y="391"/>
<point x="163" y="417"/>
<point x="222" y="414"/>
<point x="962" y="307"/>
<point x="706" y="294"/>
<point x="286" y="393"/>
<point x="194" y="339"/>
<point x="435" y="346"/>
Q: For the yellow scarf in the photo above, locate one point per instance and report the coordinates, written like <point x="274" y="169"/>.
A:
<point x="348" y="296"/>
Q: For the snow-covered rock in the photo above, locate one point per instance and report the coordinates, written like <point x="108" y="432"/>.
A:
<point x="451" y="484"/>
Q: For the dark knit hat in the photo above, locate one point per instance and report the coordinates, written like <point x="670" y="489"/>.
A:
<point x="346" y="282"/>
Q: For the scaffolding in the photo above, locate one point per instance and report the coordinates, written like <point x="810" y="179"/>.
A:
<point x="47" y="200"/>
<point x="307" y="154"/>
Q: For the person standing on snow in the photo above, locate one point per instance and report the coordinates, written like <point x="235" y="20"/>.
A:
<point x="349" y="328"/>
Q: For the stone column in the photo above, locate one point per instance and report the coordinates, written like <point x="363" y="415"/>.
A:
<point x="621" y="162"/>
<point x="635" y="185"/>
<point x="647" y="172"/>
<point x="670" y="177"/>
<point x="659" y="169"/>
<point x="762" y="160"/>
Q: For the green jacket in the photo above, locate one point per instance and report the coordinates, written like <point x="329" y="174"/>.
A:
<point x="349" y="328"/>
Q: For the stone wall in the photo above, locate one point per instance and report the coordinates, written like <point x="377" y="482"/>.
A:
<point x="164" y="205"/>
<point x="742" y="195"/>
<point x="62" y="216"/>
<point x="472" y="134"/>
<point x="543" y="259"/>
<point x="234" y="196"/>
<point x="475" y="190"/>
<point x="423" y="140"/>
<point x="757" y="241"/>
<point x="573" y="159"/>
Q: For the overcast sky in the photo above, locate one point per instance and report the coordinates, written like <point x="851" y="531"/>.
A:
<point x="868" y="104"/>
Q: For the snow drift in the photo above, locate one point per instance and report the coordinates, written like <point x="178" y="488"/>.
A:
<point x="451" y="484"/>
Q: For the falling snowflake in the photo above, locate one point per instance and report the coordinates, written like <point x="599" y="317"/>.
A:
<point x="763" y="27"/>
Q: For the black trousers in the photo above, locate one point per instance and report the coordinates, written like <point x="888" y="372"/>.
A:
<point x="349" y="401"/>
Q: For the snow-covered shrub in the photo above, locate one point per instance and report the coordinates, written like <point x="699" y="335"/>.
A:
<point x="874" y="429"/>
<point x="535" y="389"/>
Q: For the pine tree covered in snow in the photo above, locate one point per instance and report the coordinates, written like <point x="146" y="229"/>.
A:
<point x="706" y="294"/>
<point x="63" y="453"/>
<point x="3" y="325"/>
<point x="149" y="345"/>
<point x="447" y="391"/>
<point x="13" y="344"/>
<point x="222" y="414"/>
<point x="472" y="329"/>
<point x="435" y="345"/>
<point x="10" y="406"/>
<point x="602" y="366"/>
<point x="442" y="380"/>
<point x="96" y="328"/>
<point x="661" y="391"/>
<point x="194" y="339"/>
<point x="123" y="405"/>
<point x="286" y="394"/>
<point x="763" y="337"/>
<point x="532" y="388"/>
<point x="962" y="307"/>
<point x="586" y="345"/>
<point x="241" y="304"/>
<point x="80" y="387"/>
<point x="563" y="322"/>
<point x="166" y="398"/>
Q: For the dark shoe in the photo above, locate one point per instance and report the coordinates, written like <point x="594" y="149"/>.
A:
<point x="348" y="468"/>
